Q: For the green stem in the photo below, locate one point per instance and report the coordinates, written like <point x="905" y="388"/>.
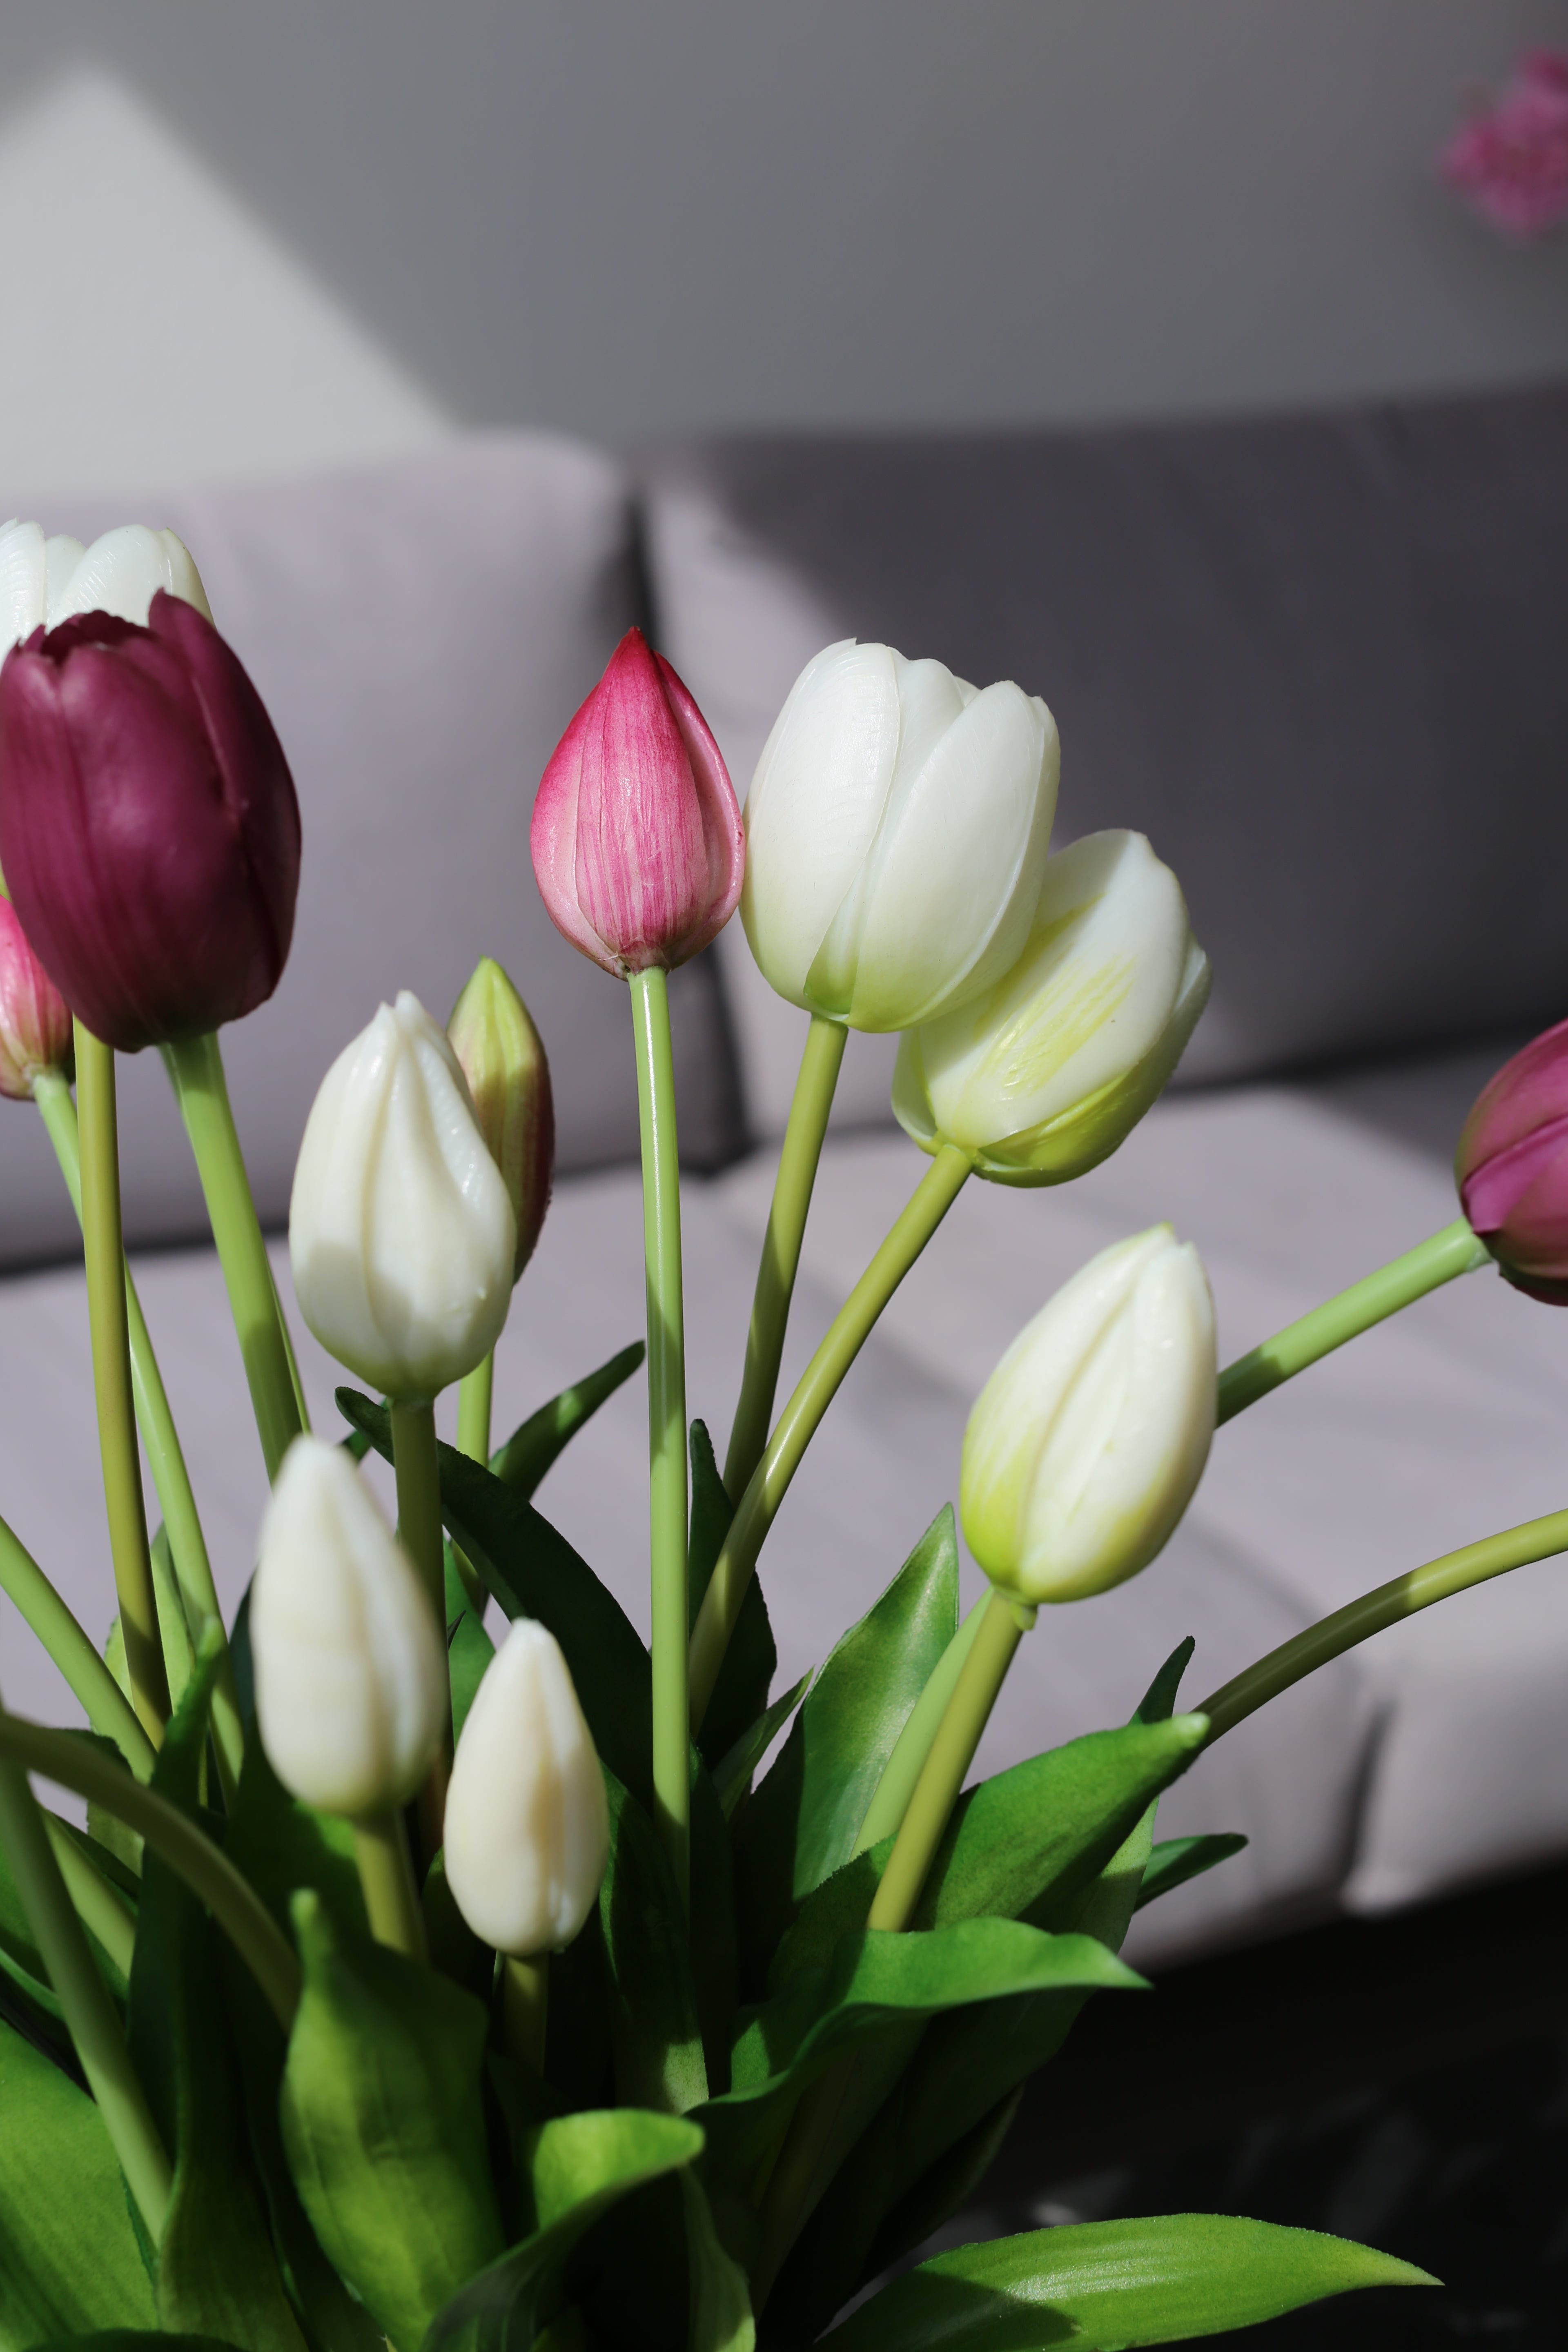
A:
<point x="61" y="1756"/>
<point x="102" y="1701"/>
<point x="525" y="2008"/>
<point x="195" y="1067"/>
<point x="107" y="1315"/>
<point x="99" y="1906"/>
<point x="665" y="1417"/>
<point x="296" y="1383"/>
<point x="1389" y="1604"/>
<point x="90" y="2012"/>
<point x="885" y="1813"/>
<point x="1403" y="1280"/>
<point x="802" y="1149"/>
<point x="932" y="1198"/>
<point x="176" y="1498"/>
<point x="418" y="1472"/>
<point x="474" y="1394"/>
<point x="387" y="1882"/>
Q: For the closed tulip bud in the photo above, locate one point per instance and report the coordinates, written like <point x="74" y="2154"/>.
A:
<point x="401" y="1234"/>
<point x="636" y="837"/>
<point x="1045" y="1074"/>
<point x="895" y="836"/>
<point x="350" y="1668"/>
<point x="35" y="1019"/>
<point x="1087" y="1443"/>
<point x="1513" y="1168"/>
<point x="148" y="831"/>
<point x="503" y="1061"/>
<point x="44" y="581"/>
<point x="527" y="1826"/>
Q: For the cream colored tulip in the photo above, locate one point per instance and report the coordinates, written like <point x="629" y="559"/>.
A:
<point x="48" y="579"/>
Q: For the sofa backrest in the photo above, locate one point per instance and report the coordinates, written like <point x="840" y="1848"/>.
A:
<point x="421" y="633"/>
<point x="1321" y="661"/>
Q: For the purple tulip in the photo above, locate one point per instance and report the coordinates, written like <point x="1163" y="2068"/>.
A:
<point x="1513" y="1168"/>
<point x="35" y="1020"/>
<point x="149" y="832"/>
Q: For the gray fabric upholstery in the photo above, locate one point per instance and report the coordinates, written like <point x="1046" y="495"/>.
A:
<point x="421" y="634"/>
<point x="1318" y="660"/>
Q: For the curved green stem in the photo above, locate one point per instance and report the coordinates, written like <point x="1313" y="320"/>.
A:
<point x="195" y="1067"/>
<point x="818" y="1384"/>
<point x="475" y="1390"/>
<point x="102" y="1701"/>
<point x="188" y="1544"/>
<point x="666" y="1416"/>
<point x="1452" y="1252"/>
<point x="232" y="1900"/>
<point x="108" y="1316"/>
<point x="387" y="1882"/>
<point x="885" y="1813"/>
<point x="1389" y="1604"/>
<point x="802" y="1149"/>
<point x="99" y="1906"/>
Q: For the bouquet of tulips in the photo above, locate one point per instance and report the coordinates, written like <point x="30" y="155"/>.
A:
<point x="409" y="1987"/>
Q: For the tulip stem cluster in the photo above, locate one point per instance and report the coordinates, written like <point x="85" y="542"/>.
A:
<point x="104" y="1703"/>
<point x="386" y="1881"/>
<point x="820" y="1064"/>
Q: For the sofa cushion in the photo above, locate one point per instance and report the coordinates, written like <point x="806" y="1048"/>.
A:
<point x="421" y="633"/>
<point x="1317" y="659"/>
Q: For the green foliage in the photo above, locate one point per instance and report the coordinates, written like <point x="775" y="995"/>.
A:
<point x="741" y="1693"/>
<point x="733" y="1773"/>
<point x="655" y="2024"/>
<point x="468" y="1653"/>
<point x="530" y="1449"/>
<point x="1175" y="1859"/>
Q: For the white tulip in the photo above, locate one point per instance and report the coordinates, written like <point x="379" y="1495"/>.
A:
<point x="1087" y="1443"/>
<point x="350" y="1668"/>
<point x="401" y="1231"/>
<point x="48" y="579"/>
<point x="895" y="836"/>
<point x="1047" y="1072"/>
<point x="528" y="1828"/>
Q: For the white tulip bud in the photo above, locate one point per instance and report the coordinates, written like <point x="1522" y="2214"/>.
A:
<point x="48" y="579"/>
<point x="528" y="1829"/>
<point x="1086" y="1445"/>
<point x="895" y="836"/>
<point x="1045" y="1074"/>
<point x="350" y="1668"/>
<point x="401" y="1232"/>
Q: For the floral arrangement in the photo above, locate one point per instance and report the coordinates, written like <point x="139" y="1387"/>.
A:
<point x="407" y="1988"/>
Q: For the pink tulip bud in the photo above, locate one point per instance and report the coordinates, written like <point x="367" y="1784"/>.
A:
<point x="148" y="831"/>
<point x="35" y="1019"/>
<point x="1513" y="1168"/>
<point x="636" y="836"/>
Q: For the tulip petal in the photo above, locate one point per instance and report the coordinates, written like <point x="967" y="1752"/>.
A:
<point x="23" y="580"/>
<point x="121" y="572"/>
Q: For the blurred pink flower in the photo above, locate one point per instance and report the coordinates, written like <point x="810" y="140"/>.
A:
<point x="1511" y="159"/>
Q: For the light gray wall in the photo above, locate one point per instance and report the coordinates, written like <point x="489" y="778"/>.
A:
<point x="629" y="218"/>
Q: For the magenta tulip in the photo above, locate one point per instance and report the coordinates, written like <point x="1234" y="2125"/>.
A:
<point x="35" y="1019"/>
<point x="149" y="832"/>
<point x="636" y="836"/>
<point x="1513" y="1168"/>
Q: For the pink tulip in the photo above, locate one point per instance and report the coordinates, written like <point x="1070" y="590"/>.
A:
<point x="1511" y="159"/>
<point x="149" y="832"/>
<point x="1513" y="1168"/>
<point x="35" y="1019"/>
<point x="637" y="838"/>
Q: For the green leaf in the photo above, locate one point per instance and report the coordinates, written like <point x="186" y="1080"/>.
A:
<point x="746" y="1672"/>
<point x="579" y="2167"/>
<point x="454" y="1947"/>
<point x="281" y="1844"/>
<point x="1158" y="1704"/>
<point x="944" y="2189"/>
<point x="802" y="1823"/>
<point x="133" y="2339"/>
<point x="69" y="2264"/>
<point x="654" y="2025"/>
<point x="1022" y="1845"/>
<point x="830" y="2256"/>
<point x="384" y="2124"/>
<point x="468" y="1653"/>
<point x="715" y="1969"/>
<point x="733" y="1774"/>
<point x="720" y="2292"/>
<point x="20" y="1959"/>
<point x="1175" y="1859"/>
<point x="530" y="1449"/>
<point x="1108" y="2284"/>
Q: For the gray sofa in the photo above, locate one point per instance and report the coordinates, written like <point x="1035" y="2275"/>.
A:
<point x="1317" y="660"/>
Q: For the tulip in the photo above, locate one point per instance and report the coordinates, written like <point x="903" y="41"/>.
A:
<point x="503" y="1061"/>
<point x="149" y="832"/>
<point x="35" y="1019"/>
<point x="895" y="836"/>
<point x="636" y="837"/>
<point x="1087" y="1443"/>
<point x="350" y="1668"/>
<point x="401" y="1234"/>
<point x="527" y="1826"/>
<point x="1045" y="1074"/>
<point x="1513" y="1168"/>
<point x="44" y="581"/>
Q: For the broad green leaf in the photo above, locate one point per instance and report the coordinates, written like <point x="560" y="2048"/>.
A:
<point x="715" y="1973"/>
<point x="829" y="2257"/>
<point x="944" y="2189"/>
<point x="468" y="1653"/>
<point x="384" y="2124"/>
<point x="133" y="2339"/>
<point x="454" y="1947"/>
<point x="654" y="2025"/>
<point x="69" y="2259"/>
<point x="579" y="2167"/>
<point x="1175" y="1859"/>
<point x="802" y="1823"/>
<point x="530" y="1449"/>
<point x="1022" y="1845"/>
<point x="733" y="1774"/>
<point x="1108" y="2284"/>
<point x="721" y="2292"/>
<point x="746" y="1672"/>
<point x="281" y="1844"/>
